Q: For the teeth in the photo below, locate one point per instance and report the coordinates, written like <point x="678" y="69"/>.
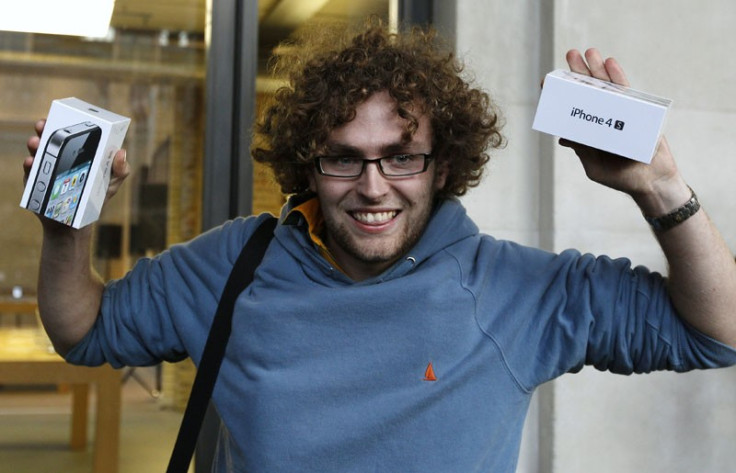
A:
<point x="375" y="217"/>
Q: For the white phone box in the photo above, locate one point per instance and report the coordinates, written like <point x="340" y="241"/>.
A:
<point x="601" y="114"/>
<point x="71" y="170"/>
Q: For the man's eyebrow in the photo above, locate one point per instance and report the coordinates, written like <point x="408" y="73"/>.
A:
<point x="345" y="149"/>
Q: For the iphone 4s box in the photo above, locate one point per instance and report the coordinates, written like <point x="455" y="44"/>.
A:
<point x="71" y="170"/>
<point x="601" y="114"/>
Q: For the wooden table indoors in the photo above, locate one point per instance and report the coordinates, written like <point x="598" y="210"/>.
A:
<point x="26" y="358"/>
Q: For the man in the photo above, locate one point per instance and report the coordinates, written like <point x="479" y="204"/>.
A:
<point x="382" y="332"/>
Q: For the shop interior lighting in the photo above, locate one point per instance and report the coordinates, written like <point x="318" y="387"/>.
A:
<point x="87" y="18"/>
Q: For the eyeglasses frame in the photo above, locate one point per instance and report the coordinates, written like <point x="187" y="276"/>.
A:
<point x="379" y="162"/>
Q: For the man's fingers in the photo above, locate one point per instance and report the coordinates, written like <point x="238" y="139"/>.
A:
<point x="33" y="141"/>
<point x="32" y="144"/>
<point x="596" y="64"/>
<point x="27" y="163"/>
<point x="616" y="72"/>
<point x="576" y="62"/>
<point x="120" y="167"/>
<point x="120" y="170"/>
<point x="40" y="124"/>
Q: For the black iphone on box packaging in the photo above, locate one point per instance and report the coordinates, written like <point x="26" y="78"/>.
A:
<point x="62" y="175"/>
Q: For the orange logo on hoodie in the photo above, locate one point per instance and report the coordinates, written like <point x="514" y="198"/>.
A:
<point x="429" y="373"/>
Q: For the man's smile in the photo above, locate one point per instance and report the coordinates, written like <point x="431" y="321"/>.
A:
<point x="374" y="218"/>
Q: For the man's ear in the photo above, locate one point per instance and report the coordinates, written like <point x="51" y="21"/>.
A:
<point x="440" y="177"/>
<point x="312" y="181"/>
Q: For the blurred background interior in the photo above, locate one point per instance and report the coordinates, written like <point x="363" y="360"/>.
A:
<point x="190" y="74"/>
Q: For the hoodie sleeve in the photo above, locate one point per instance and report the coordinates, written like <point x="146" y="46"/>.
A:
<point x="162" y="309"/>
<point x="571" y="310"/>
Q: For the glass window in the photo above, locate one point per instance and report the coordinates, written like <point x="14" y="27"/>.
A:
<point x="151" y="68"/>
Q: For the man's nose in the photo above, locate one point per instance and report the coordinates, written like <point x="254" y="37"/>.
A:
<point x="372" y="183"/>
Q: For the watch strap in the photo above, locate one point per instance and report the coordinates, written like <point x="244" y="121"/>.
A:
<point x="677" y="216"/>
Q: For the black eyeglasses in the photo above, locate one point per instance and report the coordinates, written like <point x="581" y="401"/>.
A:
<point x="399" y="165"/>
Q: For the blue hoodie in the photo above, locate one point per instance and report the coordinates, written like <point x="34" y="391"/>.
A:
<point x="428" y="367"/>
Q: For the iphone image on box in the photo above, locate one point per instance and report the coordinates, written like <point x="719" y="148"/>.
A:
<point x="64" y="170"/>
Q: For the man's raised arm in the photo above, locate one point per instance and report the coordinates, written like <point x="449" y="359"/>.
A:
<point x="702" y="272"/>
<point x="69" y="291"/>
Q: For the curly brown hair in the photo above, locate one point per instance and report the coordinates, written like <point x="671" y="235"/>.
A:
<point x="328" y="77"/>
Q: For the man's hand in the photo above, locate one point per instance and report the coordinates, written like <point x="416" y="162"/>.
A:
<point x="656" y="187"/>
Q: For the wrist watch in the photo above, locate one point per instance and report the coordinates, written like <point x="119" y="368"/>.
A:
<point x="677" y="216"/>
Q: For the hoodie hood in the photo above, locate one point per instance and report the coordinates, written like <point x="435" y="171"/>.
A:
<point x="448" y="224"/>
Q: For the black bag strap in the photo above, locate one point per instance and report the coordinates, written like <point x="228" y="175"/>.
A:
<point x="204" y="381"/>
